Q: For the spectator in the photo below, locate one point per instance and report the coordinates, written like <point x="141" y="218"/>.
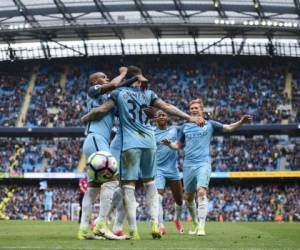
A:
<point x="266" y="202"/>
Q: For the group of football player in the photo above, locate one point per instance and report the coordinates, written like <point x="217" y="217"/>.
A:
<point x="147" y="153"/>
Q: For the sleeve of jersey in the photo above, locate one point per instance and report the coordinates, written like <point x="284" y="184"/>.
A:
<point x="130" y="81"/>
<point x="217" y="126"/>
<point x="94" y="91"/>
<point x="114" y="96"/>
<point x="153" y="98"/>
<point x="180" y="135"/>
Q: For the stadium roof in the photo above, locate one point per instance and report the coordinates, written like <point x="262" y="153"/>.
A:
<point x="46" y="20"/>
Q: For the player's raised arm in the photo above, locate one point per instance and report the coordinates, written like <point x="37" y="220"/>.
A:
<point x="172" y="110"/>
<point x="98" y="112"/>
<point x="228" y="128"/>
<point x="100" y="88"/>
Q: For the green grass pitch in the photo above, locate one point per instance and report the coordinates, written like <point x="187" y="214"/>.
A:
<point x="62" y="235"/>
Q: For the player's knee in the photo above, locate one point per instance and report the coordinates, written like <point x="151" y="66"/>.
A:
<point x="179" y="202"/>
<point x="178" y="199"/>
<point x="189" y="197"/>
<point x="161" y="191"/>
<point x="201" y="192"/>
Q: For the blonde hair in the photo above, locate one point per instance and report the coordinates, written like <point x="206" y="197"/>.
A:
<point x="198" y="100"/>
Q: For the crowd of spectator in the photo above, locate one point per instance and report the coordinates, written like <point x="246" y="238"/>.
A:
<point x="252" y="154"/>
<point x="46" y="96"/>
<point x="13" y="86"/>
<point x="255" y="203"/>
<point x="296" y="94"/>
<point x="269" y="202"/>
<point x="56" y="104"/>
<point x="40" y="155"/>
<point x="28" y="203"/>
<point x="228" y="154"/>
<point x="229" y="87"/>
<point x="255" y="154"/>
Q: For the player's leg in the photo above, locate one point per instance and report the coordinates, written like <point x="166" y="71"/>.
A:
<point x="203" y="178"/>
<point x="118" y="206"/>
<point x="117" y="203"/>
<point x="190" y="187"/>
<point x="89" y="198"/>
<point x="106" y="195"/>
<point x="129" y="174"/>
<point x="89" y="147"/>
<point x="177" y="191"/>
<point x="160" y="183"/>
<point x="47" y="216"/>
<point x="81" y="195"/>
<point x="119" y="219"/>
<point x="148" y="172"/>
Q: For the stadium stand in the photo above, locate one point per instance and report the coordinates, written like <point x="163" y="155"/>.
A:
<point x="58" y="155"/>
<point x="12" y="90"/>
<point x="229" y="86"/>
<point x="268" y="202"/>
<point x="238" y="153"/>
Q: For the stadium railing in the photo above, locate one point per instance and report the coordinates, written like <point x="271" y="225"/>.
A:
<point x="246" y="130"/>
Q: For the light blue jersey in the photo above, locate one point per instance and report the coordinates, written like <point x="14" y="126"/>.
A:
<point x="101" y="126"/>
<point x="135" y="127"/>
<point x="116" y="145"/>
<point x="197" y="160"/>
<point x="48" y="200"/>
<point x="197" y="141"/>
<point x="166" y="158"/>
<point x="97" y="131"/>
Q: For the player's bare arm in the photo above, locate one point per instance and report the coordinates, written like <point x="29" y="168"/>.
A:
<point x="228" y="128"/>
<point x="172" y="110"/>
<point x="174" y="145"/>
<point x="101" y="88"/>
<point x="98" y="112"/>
<point x="115" y="82"/>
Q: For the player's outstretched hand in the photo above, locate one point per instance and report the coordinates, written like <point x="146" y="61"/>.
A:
<point x="150" y="112"/>
<point x="123" y="70"/>
<point x="246" y="118"/>
<point x="166" y="142"/>
<point x="198" y="120"/>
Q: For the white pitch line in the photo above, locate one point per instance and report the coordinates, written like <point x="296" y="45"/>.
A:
<point x="132" y="248"/>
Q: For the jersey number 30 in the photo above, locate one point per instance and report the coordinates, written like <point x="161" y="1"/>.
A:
<point x="137" y="110"/>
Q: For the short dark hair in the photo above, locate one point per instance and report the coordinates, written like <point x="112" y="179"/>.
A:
<point x="133" y="71"/>
<point x="95" y="75"/>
